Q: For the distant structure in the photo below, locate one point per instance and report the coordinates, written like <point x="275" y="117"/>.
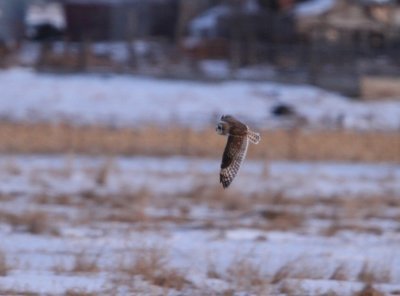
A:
<point x="100" y="20"/>
<point x="244" y="24"/>
<point x="333" y="44"/>
<point x="361" y="24"/>
<point x="12" y="14"/>
<point x="45" y="21"/>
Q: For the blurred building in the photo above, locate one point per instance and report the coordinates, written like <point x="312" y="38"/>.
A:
<point x="245" y="24"/>
<point x="45" y="21"/>
<point x="102" y="20"/>
<point x="12" y="14"/>
<point x="353" y="24"/>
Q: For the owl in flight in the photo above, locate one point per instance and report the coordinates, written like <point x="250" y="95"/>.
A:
<point x="239" y="136"/>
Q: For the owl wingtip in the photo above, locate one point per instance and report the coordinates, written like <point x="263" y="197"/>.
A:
<point x="225" y="183"/>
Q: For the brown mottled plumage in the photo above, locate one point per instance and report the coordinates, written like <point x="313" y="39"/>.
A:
<point x="236" y="147"/>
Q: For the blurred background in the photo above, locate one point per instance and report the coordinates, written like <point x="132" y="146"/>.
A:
<point x="348" y="47"/>
<point x="109" y="159"/>
<point x="337" y="45"/>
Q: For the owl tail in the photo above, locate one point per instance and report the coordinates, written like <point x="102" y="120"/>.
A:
<point x="254" y="137"/>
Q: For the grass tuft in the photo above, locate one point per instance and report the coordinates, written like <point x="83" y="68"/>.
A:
<point x="86" y="263"/>
<point x="152" y="264"/>
<point x="4" y="268"/>
<point x="247" y="276"/>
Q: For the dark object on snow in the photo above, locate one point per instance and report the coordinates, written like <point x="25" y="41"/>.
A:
<point x="282" y="110"/>
<point x="45" y="32"/>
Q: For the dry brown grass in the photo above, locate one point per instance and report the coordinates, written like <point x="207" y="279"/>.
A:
<point x="337" y="227"/>
<point x="340" y="273"/>
<point x="104" y="172"/>
<point x="289" y="289"/>
<point x="85" y="262"/>
<point x="17" y="293"/>
<point x="79" y="292"/>
<point x="4" y="268"/>
<point x="282" y="220"/>
<point x="6" y="197"/>
<point x="61" y="268"/>
<point x="379" y="88"/>
<point x="370" y="273"/>
<point x="58" y="199"/>
<point x="152" y="263"/>
<point x="369" y="290"/>
<point x="35" y="222"/>
<point x="284" y="272"/>
<point x="212" y="271"/>
<point x="126" y="208"/>
<point x="307" y="145"/>
<point x="246" y="275"/>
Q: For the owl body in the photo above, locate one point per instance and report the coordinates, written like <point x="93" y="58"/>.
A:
<point x="235" y="151"/>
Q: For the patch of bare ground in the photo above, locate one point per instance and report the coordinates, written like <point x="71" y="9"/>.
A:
<point x="356" y="227"/>
<point x="369" y="290"/>
<point x="282" y="220"/>
<point x="372" y="273"/>
<point x="152" y="264"/>
<point x="139" y="199"/>
<point x="34" y="222"/>
<point x="78" y="292"/>
<point x="295" y="289"/>
<point x="17" y="293"/>
<point x="4" y="267"/>
<point x="58" y="199"/>
<point x="6" y="197"/>
<point x="86" y="263"/>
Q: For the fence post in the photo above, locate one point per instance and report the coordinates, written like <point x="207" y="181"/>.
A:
<point x="131" y="32"/>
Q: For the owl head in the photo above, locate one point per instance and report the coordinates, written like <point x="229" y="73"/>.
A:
<point x="223" y="125"/>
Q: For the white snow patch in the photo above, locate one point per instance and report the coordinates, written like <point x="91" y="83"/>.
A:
<point x="313" y="7"/>
<point x="119" y="100"/>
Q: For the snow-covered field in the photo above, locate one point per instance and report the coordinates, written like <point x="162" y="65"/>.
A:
<point x="96" y="225"/>
<point x="119" y="100"/>
<point x="80" y="225"/>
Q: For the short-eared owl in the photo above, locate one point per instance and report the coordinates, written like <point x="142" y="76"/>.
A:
<point x="239" y="135"/>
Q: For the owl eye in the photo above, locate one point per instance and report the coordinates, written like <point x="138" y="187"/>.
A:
<point x="220" y="128"/>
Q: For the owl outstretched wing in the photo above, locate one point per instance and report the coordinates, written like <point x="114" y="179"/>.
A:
<point x="234" y="154"/>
